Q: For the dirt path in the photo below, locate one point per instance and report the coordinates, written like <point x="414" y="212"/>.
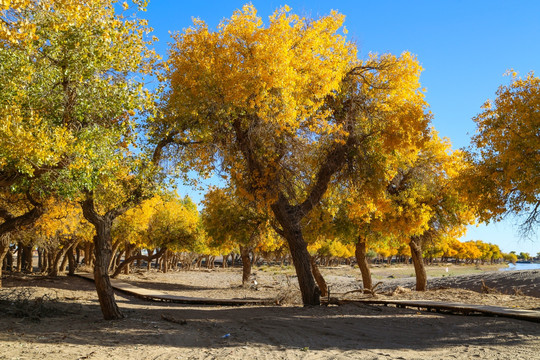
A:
<point x="69" y="326"/>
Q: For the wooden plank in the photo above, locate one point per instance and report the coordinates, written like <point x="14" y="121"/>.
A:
<point x="154" y="295"/>
<point x="530" y="315"/>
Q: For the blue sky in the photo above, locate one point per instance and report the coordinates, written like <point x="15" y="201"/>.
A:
<point x="465" y="47"/>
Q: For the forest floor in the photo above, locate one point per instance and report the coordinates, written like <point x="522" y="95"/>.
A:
<point x="59" y="318"/>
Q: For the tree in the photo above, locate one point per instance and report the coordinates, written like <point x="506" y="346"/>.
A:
<point x="59" y="231"/>
<point x="83" y="69"/>
<point x="284" y="118"/>
<point x="505" y="176"/>
<point x="230" y="219"/>
<point x="166" y="222"/>
<point x="427" y="205"/>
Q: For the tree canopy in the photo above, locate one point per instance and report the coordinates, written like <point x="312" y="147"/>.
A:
<point x="505" y="175"/>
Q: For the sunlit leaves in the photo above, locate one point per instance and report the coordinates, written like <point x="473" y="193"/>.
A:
<point x="506" y="171"/>
<point x="161" y="221"/>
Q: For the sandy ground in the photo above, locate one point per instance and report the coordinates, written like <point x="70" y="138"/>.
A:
<point x="45" y="318"/>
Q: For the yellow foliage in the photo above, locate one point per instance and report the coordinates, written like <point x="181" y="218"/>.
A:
<point x="505" y="176"/>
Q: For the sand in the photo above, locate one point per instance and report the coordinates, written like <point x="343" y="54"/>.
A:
<point x="68" y="323"/>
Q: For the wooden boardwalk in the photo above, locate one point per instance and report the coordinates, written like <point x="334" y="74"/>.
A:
<point x="451" y="307"/>
<point x="439" y="306"/>
<point x="155" y="295"/>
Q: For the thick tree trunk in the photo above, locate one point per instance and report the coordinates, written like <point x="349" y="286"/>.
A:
<point x="54" y="259"/>
<point x="289" y="219"/>
<point x="77" y="255"/>
<point x="246" y="265"/>
<point x="165" y="262"/>
<point x="361" y="259"/>
<point x="103" y="255"/>
<point x="149" y="262"/>
<point x="40" y="259"/>
<point x="71" y="262"/>
<point x="27" y="258"/>
<point x="9" y="259"/>
<point x="44" y="261"/>
<point x="318" y="277"/>
<point x="416" y="251"/>
<point x="64" y="262"/>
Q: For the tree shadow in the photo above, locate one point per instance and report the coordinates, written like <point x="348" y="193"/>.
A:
<point x="349" y="327"/>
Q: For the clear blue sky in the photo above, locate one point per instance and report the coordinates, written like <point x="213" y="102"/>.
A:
<point x="465" y="47"/>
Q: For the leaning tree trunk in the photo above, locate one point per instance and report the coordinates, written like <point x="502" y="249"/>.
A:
<point x="361" y="259"/>
<point x="246" y="265"/>
<point x="416" y="251"/>
<point x="289" y="219"/>
<point x="103" y="254"/>
<point x="318" y="277"/>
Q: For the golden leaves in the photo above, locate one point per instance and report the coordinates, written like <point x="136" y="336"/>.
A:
<point x="508" y="142"/>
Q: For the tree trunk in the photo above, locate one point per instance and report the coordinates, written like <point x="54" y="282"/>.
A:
<point x="165" y="262"/>
<point x="103" y="254"/>
<point x="27" y="254"/>
<point x="71" y="262"/>
<point x="77" y="255"/>
<point x="289" y="219"/>
<point x="19" y="257"/>
<point x="318" y="277"/>
<point x="149" y="262"/>
<point x="416" y="251"/>
<point x="9" y="259"/>
<point x="4" y="248"/>
<point x="114" y="253"/>
<point x="246" y="265"/>
<point x="64" y="262"/>
<point x="129" y="251"/>
<point x="40" y="259"/>
<point x="45" y="261"/>
<point x="361" y="259"/>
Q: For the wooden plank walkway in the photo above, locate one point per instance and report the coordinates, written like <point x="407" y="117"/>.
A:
<point x="451" y="307"/>
<point x="155" y="295"/>
<point x="439" y="306"/>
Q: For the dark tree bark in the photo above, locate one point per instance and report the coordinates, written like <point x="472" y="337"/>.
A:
<point x="416" y="251"/>
<point x="27" y="258"/>
<point x="165" y="262"/>
<point x="149" y="262"/>
<point x="289" y="219"/>
<point x="71" y="262"/>
<point x="246" y="265"/>
<point x="4" y="248"/>
<point x="361" y="259"/>
<point x="19" y="257"/>
<point x="103" y="254"/>
<point x="318" y="277"/>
